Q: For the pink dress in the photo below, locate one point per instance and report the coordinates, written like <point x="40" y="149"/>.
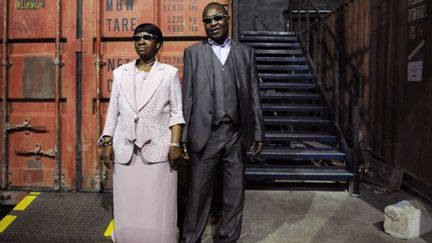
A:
<point x="145" y="193"/>
<point x="145" y="202"/>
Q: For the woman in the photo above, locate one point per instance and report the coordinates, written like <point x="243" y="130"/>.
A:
<point x="143" y="127"/>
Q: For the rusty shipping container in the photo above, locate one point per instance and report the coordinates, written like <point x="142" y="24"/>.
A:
<point x="57" y="63"/>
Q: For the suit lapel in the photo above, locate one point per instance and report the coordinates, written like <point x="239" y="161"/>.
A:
<point x="127" y="83"/>
<point x="234" y="54"/>
<point x="208" y="61"/>
<point x="151" y="84"/>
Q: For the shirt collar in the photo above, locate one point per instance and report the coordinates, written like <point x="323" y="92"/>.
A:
<point x="226" y="42"/>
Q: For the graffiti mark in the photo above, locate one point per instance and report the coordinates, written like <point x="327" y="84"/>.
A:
<point x="29" y="4"/>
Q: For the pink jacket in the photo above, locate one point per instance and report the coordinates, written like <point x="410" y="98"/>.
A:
<point x="147" y="123"/>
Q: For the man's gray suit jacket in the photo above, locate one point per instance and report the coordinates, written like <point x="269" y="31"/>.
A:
<point x="198" y="91"/>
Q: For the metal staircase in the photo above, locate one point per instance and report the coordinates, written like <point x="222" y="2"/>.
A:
<point x="301" y="140"/>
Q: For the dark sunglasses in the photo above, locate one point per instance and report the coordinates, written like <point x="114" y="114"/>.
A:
<point x="145" y="37"/>
<point x="217" y="17"/>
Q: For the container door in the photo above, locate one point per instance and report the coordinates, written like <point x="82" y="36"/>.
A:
<point x="40" y="84"/>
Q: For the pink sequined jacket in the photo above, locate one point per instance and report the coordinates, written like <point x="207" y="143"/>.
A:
<point x="143" y="118"/>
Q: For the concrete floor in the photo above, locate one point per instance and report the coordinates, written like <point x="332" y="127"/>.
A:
<point x="276" y="216"/>
<point x="303" y="215"/>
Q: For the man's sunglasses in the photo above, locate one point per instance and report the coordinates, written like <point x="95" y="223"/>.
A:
<point x="147" y="36"/>
<point x="217" y="17"/>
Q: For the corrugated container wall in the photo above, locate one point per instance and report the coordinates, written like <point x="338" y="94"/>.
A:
<point x="58" y="57"/>
<point x="389" y="40"/>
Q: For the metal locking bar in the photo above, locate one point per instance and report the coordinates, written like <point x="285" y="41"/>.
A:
<point x="37" y="151"/>
<point x="26" y="126"/>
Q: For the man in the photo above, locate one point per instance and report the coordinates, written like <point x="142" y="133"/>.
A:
<point x="223" y="114"/>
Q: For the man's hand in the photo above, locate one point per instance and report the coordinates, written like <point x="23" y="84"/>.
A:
<point x="185" y="154"/>
<point x="107" y="155"/>
<point x="256" y="148"/>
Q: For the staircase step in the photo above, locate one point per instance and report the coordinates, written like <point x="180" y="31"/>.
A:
<point x="284" y="120"/>
<point x="285" y="76"/>
<point x="286" y="85"/>
<point x="281" y="59"/>
<point x="289" y="153"/>
<point x="289" y="95"/>
<point x="289" y="136"/>
<point x="296" y="52"/>
<point x="293" y="107"/>
<point x="283" y="68"/>
<point x="265" y="32"/>
<point x="296" y="173"/>
<point x="285" y="45"/>
<point x="269" y="38"/>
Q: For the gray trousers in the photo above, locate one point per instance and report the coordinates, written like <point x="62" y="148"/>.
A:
<point x="223" y="149"/>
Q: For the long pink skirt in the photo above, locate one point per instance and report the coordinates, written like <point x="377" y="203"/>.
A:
<point x="145" y="202"/>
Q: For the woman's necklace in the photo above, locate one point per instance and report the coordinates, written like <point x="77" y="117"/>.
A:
<point x="149" y="64"/>
<point x="145" y="67"/>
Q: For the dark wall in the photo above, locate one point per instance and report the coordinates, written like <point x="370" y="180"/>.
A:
<point x="413" y="129"/>
<point x="268" y="15"/>
<point x="399" y="124"/>
<point x="396" y="113"/>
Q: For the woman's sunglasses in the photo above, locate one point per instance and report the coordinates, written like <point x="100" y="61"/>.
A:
<point x="217" y="17"/>
<point x="147" y="36"/>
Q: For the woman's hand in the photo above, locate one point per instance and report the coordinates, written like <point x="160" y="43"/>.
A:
<point x="173" y="154"/>
<point x="107" y="155"/>
<point x="106" y="152"/>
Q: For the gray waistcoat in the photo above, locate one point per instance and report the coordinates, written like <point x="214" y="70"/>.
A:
<point x="225" y="98"/>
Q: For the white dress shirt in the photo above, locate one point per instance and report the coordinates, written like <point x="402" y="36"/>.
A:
<point x="221" y="51"/>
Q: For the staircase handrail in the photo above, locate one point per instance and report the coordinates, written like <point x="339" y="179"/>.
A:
<point x="321" y="19"/>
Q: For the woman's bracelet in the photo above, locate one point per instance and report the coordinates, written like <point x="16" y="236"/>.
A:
<point x="105" y="141"/>
<point x="177" y="145"/>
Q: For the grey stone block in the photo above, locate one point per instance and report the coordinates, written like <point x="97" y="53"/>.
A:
<point x="407" y="219"/>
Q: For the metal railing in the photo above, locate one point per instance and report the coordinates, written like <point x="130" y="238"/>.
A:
<point x="338" y="78"/>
